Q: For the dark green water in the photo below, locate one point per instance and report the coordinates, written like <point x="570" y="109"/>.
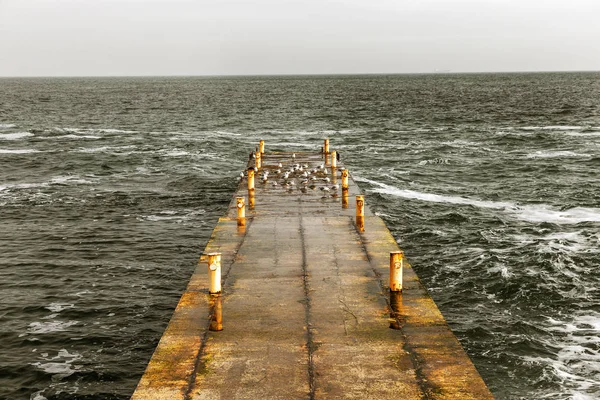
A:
<point x="109" y="189"/>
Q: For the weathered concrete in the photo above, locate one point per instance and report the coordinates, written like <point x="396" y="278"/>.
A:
<point x="307" y="312"/>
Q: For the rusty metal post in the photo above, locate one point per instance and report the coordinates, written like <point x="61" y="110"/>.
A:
<point x="344" y="179"/>
<point x="214" y="273"/>
<point x="360" y="205"/>
<point x="216" y="321"/>
<point x="326" y="147"/>
<point x="240" y="204"/>
<point x="333" y="159"/>
<point x="261" y="147"/>
<point x="396" y="267"/>
<point x="250" y="179"/>
<point x="251" y="200"/>
<point x="345" y="199"/>
<point x="258" y="160"/>
<point x="360" y="224"/>
<point x="360" y="213"/>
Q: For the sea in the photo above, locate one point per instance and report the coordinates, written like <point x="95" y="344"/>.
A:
<point x="110" y="188"/>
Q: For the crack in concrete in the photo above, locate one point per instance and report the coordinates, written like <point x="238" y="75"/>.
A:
<point x="310" y="344"/>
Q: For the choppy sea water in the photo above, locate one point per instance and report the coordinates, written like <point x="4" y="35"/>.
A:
<point x="110" y="187"/>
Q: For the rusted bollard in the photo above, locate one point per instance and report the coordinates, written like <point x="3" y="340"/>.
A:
<point x="258" y="160"/>
<point x="216" y="321"/>
<point x="360" y="205"/>
<point x="250" y="179"/>
<point x="326" y="147"/>
<point x="344" y="179"/>
<point x="396" y="267"/>
<point x="333" y="159"/>
<point x="214" y="273"/>
<point x="251" y="200"/>
<point x="261" y="147"/>
<point x="345" y="199"/>
<point x="360" y="212"/>
<point x="240" y="204"/>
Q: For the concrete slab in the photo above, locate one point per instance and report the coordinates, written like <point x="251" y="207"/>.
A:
<point x="307" y="312"/>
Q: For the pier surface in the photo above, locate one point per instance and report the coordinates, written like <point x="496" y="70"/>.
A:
<point x="307" y="311"/>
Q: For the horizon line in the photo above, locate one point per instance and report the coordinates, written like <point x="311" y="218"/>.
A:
<point x="434" y="72"/>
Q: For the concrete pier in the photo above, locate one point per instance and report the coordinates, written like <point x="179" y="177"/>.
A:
<point x="306" y="308"/>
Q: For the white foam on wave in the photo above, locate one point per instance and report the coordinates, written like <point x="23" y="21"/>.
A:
<point x="577" y="363"/>
<point x="71" y="137"/>
<point x="15" y="135"/>
<point x="531" y="213"/>
<point x="36" y="328"/>
<point x="7" y="126"/>
<point x="61" y="366"/>
<point x="18" y="151"/>
<point x="555" y="154"/>
<point x="38" y="396"/>
<point x="177" y="153"/>
<point x="110" y="130"/>
<point x="57" y="180"/>
<point x="104" y="149"/>
<point x="177" y="216"/>
<point x="552" y="128"/>
<point x="584" y="134"/>
<point x="91" y="130"/>
<point x="58" y="307"/>
<point x="460" y="143"/>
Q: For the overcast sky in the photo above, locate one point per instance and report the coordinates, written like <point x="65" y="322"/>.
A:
<point x="223" y="37"/>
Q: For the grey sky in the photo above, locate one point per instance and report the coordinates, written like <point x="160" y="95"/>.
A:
<point x="221" y="37"/>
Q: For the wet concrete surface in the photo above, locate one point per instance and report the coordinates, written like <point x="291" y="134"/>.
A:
<point x="307" y="312"/>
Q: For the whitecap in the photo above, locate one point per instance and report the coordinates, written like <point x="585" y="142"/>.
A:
<point x="7" y="126"/>
<point x="577" y="361"/>
<point x="71" y="137"/>
<point x="61" y="365"/>
<point x="552" y="127"/>
<point x="584" y="134"/>
<point x="530" y="213"/>
<point x="110" y="130"/>
<point x="554" y="154"/>
<point x="50" y="326"/>
<point x="58" y="180"/>
<point x="18" y="151"/>
<point x="104" y="149"/>
<point x="15" y="135"/>
<point x="38" y="396"/>
<point x="176" y="153"/>
<point x="58" y="307"/>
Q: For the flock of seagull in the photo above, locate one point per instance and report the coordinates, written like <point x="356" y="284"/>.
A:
<point x="297" y="176"/>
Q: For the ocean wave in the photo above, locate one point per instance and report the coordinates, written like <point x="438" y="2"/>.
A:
<point x="104" y="149"/>
<point x="584" y="134"/>
<point x="15" y="135"/>
<point x="91" y="130"/>
<point x="168" y="215"/>
<point x="555" y="154"/>
<point x="61" y="366"/>
<point x="57" y="180"/>
<point x="18" y="151"/>
<point x="577" y="361"/>
<point x="58" y="307"/>
<point x="7" y="126"/>
<point x="552" y="127"/>
<point x="36" y="328"/>
<point x="531" y="213"/>
<point x="71" y="137"/>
